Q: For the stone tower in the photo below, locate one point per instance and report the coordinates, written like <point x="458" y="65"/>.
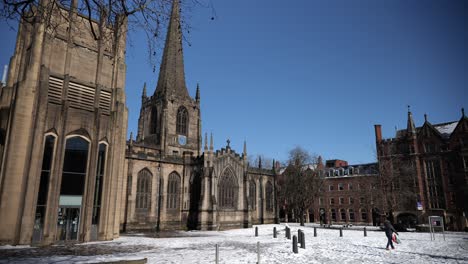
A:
<point x="65" y="120"/>
<point x="170" y="119"/>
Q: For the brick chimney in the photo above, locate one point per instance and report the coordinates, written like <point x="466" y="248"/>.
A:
<point x="378" y="133"/>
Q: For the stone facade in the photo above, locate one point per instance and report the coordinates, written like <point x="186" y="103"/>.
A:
<point x="63" y="122"/>
<point x="438" y="154"/>
<point x="170" y="183"/>
<point x="67" y="170"/>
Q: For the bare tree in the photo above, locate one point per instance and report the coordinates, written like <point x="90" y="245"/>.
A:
<point x="149" y="16"/>
<point x="300" y="183"/>
<point x="398" y="185"/>
<point x="260" y="161"/>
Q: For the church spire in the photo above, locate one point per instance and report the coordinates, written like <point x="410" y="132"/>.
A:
<point x="143" y="94"/>
<point x="171" y="74"/>
<point x="197" y="94"/>
<point x="410" y="128"/>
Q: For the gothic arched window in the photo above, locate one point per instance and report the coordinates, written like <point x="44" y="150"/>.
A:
<point x="227" y="190"/>
<point x="173" y="186"/>
<point x="154" y="120"/>
<point x="143" y="195"/>
<point x="253" y="195"/>
<point x="269" y="196"/>
<point x="182" y="121"/>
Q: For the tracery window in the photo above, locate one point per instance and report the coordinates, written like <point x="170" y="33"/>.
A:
<point x="143" y="195"/>
<point x="227" y="190"/>
<point x="253" y="195"/>
<point x="182" y="121"/>
<point x="269" y="196"/>
<point x="173" y="186"/>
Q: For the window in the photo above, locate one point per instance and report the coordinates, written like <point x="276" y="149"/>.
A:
<point x="154" y="120"/>
<point x="351" y="200"/>
<point x="465" y="162"/>
<point x="253" y="195"/>
<point x="99" y="182"/>
<point x="320" y="201"/>
<point x="227" y="190"/>
<point x="330" y="187"/>
<point x="74" y="168"/>
<point x="182" y="121"/>
<point x="350" y="186"/>
<point x="173" y="186"/>
<point x="341" y="200"/>
<point x="361" y="200"/>
<point x="351" y="215"/>
<point x="269" y="196"/>
<point x="340" y="186"/>
<point x="143" y="194"/>
<point x="350" y="171"/>
<point x="363" y="214"/>
<point x="332" y="200"/>
<point x="333" y="215"/>
<point x="47" y="158"/>
<point x="343" y="214"/>
<point x="434" y="184"/>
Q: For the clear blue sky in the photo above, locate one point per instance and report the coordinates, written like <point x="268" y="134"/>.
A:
<point x="318" y="74"/>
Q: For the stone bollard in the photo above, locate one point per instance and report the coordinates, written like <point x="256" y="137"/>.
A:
<point x="315" y="231"/>
<point x="288" y="233"/>
<point x="365" y="231"/>
<point x="256" y="231"/>
<point x="341" y="232"/>
<point x="295" y="244"/>
<point x="299" y="236"/>
<point x="274" y="232"/>
<point x="217" y="254"/>
<point x="302" y="240"/>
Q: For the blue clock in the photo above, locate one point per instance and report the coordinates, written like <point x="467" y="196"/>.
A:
<point x="182" y="140"/>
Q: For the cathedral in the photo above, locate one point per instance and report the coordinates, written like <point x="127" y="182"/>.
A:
<point x="68" y="172"/>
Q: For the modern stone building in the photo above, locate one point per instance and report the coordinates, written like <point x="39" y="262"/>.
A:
<point x="170" y="183"/>
<point x="437" y="156"/>
<point x="67" y="171"/>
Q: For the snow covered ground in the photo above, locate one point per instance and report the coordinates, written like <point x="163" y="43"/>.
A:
<point x="239" y="246"/>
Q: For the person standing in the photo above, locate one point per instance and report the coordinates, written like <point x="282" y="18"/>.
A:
<point x="389" y="229"/>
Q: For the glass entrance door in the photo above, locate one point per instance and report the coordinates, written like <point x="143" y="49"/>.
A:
<point x="68" y="223"/>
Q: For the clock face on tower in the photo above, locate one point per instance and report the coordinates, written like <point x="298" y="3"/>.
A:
<point x="182" y="140"/>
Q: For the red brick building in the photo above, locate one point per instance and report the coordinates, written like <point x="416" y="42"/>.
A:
<point x="347" y="194"/>
<point x="438" y="158"/>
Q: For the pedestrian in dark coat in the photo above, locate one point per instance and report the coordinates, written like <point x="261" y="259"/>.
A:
<point x="388" y="228"/>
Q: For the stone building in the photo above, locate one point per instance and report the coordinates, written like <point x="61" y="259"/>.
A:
<point x="67" y="171"/>
<point x="437" y="158"/>
<point x="170" y="183"/>
<point x="63" y="122"/>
